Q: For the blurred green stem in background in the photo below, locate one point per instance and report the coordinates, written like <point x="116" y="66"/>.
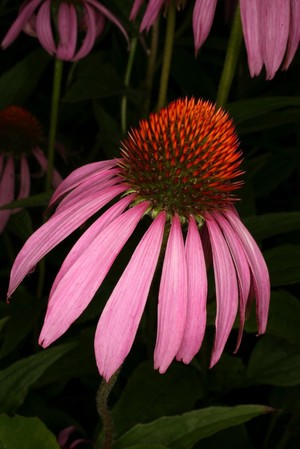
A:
<point x="58" y="67"/>
<point x="151" y="65"/>
<point x="231" y="59"/>
<point x="132" y="51"/>
<point x="167" y="55"/>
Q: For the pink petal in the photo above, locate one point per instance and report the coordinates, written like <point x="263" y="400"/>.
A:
<point x="294" y="34"/>
<point x="16" y="28"/>
<point x="258" y="268"/>
<point x="252" y="19"/>
<point x="80" y="175"/>
<point x="56" y="229"/>
<point x="172" y="300"/>
<point x="275" y="32"/>
<point x="135" y="9"/>
<point x="43" y="27"/>
<point x="197" y="295"/>
<point x="110" y="16"/>
<point x="226" y="288"/>
<point x="7" y="186"/>
<point x="241" y="266"/>
<point x="87" y="238"/>
<point x="24" y="182"/>
<point x="151" y="14"/>
<point x="121" y="316"/>
<point x="91" y="33"/>
<point x="67" y="30"/>
<point x="203" y="16"/>
<point x="78" y="286"/>
<point x="42" y="160"/>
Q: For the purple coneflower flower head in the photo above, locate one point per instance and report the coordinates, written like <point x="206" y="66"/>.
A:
<point x="20" y="137"/>
<point x="177" y="172"/>
<point x="65" y="28"/>
<point x="66" y="439"/>
<point x="152" y="11"/>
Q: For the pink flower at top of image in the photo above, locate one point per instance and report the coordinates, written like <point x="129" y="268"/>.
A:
<point x="65" y="28"/>
<point x="271" y="28"/>
<point x="177" y="173"/>
<point x="20" y="138"/>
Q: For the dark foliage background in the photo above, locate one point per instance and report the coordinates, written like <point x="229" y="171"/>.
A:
<point x="44" y="391"/>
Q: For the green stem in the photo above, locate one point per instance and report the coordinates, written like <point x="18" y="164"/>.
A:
<point x="151" y="65"/>
<point x="133" y="45"/>
<point x="53" y="118"/>
<point x="167" y="55"/>
<point x="231" y="59"/>
<point x="103" y="410"/>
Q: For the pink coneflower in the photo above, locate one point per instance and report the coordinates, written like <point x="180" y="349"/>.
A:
<point x="66" y="439"/>
<point x="271" y="29"/>
<point x="57" y="24"/>
<point x="177" y="169"/>
<point x="20" y="137"/>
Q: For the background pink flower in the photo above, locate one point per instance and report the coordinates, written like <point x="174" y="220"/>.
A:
<point x="78" y="24"/>
<point x="20" y="137"/>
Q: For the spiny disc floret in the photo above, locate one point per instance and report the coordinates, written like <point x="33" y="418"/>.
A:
<point x="183" y="159"/>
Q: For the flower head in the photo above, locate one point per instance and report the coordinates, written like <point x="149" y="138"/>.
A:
<point x="20" y="136"/>
<point x="179" y="167"/>
<point x="65" y="28"/>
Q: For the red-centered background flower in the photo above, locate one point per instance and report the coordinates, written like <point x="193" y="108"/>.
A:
<point x="20" y="137"/>
<point x="271" y="29"/>
<point x="65" y="28"/>
<point x="179" y="167"/>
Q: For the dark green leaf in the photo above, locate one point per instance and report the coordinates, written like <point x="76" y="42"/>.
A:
<point x="267" y="225"/>
<point x="148" y="394"/>
<point x="182" y="432"/>
<point x="255" y="107"/>
<point x="95" y="79"/>
<point x="18" y="378"/>
<point x="19" y="432"/>
<point x="276" y="362"/>
<point x="283" y="264"/>
<point x="41" y="199"/>
<point x="17" y="84"/>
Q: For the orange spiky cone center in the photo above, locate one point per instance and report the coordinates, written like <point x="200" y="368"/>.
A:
<point x="20" y="131"/>
<point x="183" y="159"/>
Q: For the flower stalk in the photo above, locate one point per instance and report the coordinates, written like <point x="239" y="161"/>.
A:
<point x="58" y="68"/>
<point x="231" y="59"/>
<point x="103" y="409"/>
<point x="167" y="56"/>
<point x="128" y="72"/>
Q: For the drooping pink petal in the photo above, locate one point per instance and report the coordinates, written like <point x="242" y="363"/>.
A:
<point x="43" y="27"/>
<point x="89" y="235"/>
<point x="252" y="20"/>
<point x="294" y="34"/>
<point x="85" y="190"/>
<point x="258" y="268"/>
<point x="203" y="15"/>
<point x="42" y="160"/>
<point x="103" y="10"/>
<point x="226" y="288"/>
<point x="30" y="26"/>
<point x="197" y="295"/>
<point x="67" y="31"/>
<point x="78" y="176"/>
<point x="135" y="9"/>
<point x="275" y="32"/>
<point x="56" y="229"/>
<point x="16" y="28"/>
<point x="91" y="32"/>
<point x="122" y="314"/>
<point x="242" y="268"/>
<point x="24" y="181"/>
<point x="78" y="286"/>
<point x="7" y="186"/>
<point x="151" y="14"/>
<point x="172" y="299"/>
